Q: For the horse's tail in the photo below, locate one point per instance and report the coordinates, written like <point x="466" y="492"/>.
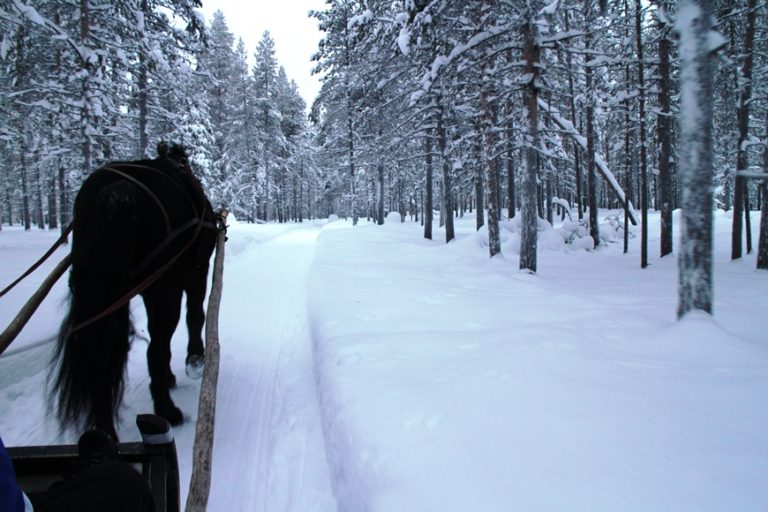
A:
<point x="91" y="355"/>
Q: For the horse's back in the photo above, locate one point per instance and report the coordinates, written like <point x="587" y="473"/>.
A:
<point x="156" y="205"/>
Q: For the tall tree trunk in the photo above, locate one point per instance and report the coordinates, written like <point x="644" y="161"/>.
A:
<point x="447" y="210"/>
<point x="428" y="206"/>
<point x="664" y="130"/>
<point x="572" y="104"/>
<point x="762" y="244"/>
<point x="641" y="136"/>
<point x="351" y="162"/>
<point x="479" y="183"/>
<point x="627" y="142"/>
<point x="511" y="206"/>
<point x="528" y="215"/>
<point x="25" y="189"/>
<point x="548" y="188"/>
<point x="267" y="200"/>
<point x="380" y="202"/>
<point x="143" y="93"/>
<point x="65" y="214"/>
<point x="747" y="220"/>
<point x="9" y="205"/>
<point x="85" y="121"/>
<point x="300" y="201"/>
<point x="742" y="115"/>
<point x="52" y="220"/>
<point x="697" y="65"/>
<point x="594" y="229"/>
<point x="39" y="192"/>
<point x="490" y="149"/>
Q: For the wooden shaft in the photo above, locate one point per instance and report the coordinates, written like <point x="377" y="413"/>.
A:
<point x="200" y="485"/>
<point x="21" y="319"/>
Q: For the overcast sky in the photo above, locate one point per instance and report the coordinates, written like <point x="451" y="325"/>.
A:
<point x="296" y="35"/>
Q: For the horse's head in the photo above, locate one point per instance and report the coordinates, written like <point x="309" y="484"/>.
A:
<point x="177" y="153"/>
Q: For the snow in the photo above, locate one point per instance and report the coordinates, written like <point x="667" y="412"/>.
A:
<point x="366" y="368"/>
<point x="30" y="13"/>
<point x="550" y="9"/>
<point x="360" y="19"/>
<point x="404" y="40"/>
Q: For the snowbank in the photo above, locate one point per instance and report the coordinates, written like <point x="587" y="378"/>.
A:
<point x="451" y="382"/>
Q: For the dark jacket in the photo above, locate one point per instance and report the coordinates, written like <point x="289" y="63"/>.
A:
<point x="11" y="498"/>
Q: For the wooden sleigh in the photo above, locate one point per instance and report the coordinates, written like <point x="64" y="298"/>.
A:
<point x="39" y="467"/>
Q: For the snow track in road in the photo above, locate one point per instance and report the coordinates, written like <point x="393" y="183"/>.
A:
<point x="268" y="453"/>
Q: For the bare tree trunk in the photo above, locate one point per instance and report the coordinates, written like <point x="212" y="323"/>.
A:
<point x="576" y="150"/>
<point x="9" y="205"/>
<point x="641" y="136"/>
<point x="490" y="149"/>
<point x="64" y="212"/>
<point x="528" y="215"/>
<point x="697" y="65"/>
<point x="762" y="244"/>
<point x="594" y="229"/>
<point x="300" y="201"/>
<point x="747" y="220"/>
<point x="742" y="114"/>
<point x="39" y="192"/>
<point x="664" y="130"/>
<point x="267" y="195"/>
<point x="85" y="29"/>
<point x="447" y="196"/>
<point x="351" y="156"/>
<point x="380" y="202"/>
<point x="479" y="183"/>
<point x="25" y="189"/>
<point x="627" y="142"/>
<point x="428" y="206"/>
<point x="143" y="93"/>
<point x="52" y="220"/>
<point x="511" y="204"/>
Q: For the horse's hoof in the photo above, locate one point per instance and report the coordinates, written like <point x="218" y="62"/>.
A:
<point x="173" y="414"/>
<point x="195" y="365"/>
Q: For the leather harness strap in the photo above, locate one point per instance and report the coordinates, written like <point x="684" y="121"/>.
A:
<point x="39" y="262"/>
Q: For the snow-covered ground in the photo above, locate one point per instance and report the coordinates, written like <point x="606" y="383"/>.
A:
<point x="367" y="369"/>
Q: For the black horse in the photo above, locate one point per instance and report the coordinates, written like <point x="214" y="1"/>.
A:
<point x="142" y="227"/>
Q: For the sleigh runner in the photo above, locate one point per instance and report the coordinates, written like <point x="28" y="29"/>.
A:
<point x="176" y="242"/>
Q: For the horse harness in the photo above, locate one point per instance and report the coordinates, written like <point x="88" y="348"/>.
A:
<point x="198" y="222"/>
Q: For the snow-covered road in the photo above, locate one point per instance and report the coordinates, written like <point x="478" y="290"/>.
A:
<point x="268" y="434"/>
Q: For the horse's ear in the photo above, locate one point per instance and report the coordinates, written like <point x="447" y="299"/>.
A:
<point x="162" y="148"/>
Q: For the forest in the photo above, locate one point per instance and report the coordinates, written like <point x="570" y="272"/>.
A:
<point x="491" y="108"/>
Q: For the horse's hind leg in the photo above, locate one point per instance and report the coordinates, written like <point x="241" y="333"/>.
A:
<point x="195" y="320"/>
<point x="163" y="311"/>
